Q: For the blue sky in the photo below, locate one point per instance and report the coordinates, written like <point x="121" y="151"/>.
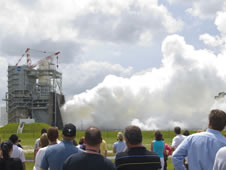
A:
<point x="172" y="48"/>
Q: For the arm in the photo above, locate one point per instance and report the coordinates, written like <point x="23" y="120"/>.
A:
<point x="114" y="150"/>
<point x="179" y="154"/>
<point x="152" y="146"/>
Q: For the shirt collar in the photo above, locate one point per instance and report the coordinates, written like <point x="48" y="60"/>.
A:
<point x="213" y="131"/>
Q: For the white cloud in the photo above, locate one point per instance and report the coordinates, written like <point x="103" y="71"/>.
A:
<point x="182" y="90"/>
<point x="220" y="22"/>
<point x="206" y="9"/>
<point x="213" y="41"/>
<point x="89" y="74"/>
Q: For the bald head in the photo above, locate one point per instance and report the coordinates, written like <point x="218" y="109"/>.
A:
<point x="93" y="136"/>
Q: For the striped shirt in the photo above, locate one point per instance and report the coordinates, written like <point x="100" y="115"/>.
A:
<point x="138" y="158"/>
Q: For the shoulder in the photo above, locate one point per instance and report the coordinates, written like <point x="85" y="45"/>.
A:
<point x="108" y="163"/>
<point x="222" y="151"/>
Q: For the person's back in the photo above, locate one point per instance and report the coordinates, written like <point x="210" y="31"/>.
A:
<point x="201" y="148"/>
<point x="7" y="163"/>
<point x="90" y="159"/>
<point x="220" y="160"/>
<point x="203" y="145"/>
<point x="55" y="155"/>
<point x="11" y="164"/>
<point x="119" y="146"/>
<point x="137" y="157"/>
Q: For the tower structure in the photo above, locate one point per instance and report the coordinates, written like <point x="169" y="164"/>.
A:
<point x="35" y="91"/>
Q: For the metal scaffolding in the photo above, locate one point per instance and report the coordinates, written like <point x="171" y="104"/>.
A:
<point x="34" y="93"/>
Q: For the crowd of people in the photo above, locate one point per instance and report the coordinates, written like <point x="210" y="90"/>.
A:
<point x="199" y="151"/>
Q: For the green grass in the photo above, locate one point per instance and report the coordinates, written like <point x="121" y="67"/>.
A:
<point x="32" y="131"/>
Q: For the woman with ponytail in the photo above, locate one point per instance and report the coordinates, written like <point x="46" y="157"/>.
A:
<point x="7" y="163"/>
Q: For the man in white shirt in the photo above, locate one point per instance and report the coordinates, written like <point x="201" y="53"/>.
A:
<point x="220" y="160"/>
<point x="178" y="139"/>
<point x="17" y="151"/>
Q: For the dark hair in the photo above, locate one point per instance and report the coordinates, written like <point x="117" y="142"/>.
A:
<point x="52" y="134"/>
<point x="13" y="138"/>
<point x="43" y="130"/>
<point x="177" y="130"/>
<point x="93" y="136"/>
<point x="81" y="140"/>
<point x="158" y="135"/>
<point x="133" y="135"/>
<point x="186" y="133"/>
<point x="217" y="119"/>
<point x="6" y="147"/>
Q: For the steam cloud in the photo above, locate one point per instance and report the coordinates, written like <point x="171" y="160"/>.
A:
<point x="180" y="92"/>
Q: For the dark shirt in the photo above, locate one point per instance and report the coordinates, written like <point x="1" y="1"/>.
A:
<point x="138" y="158"/>
<point x="11" y="164"/>
<point x="88" y="161"/>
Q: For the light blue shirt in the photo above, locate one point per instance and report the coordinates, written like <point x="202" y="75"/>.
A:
<point x="119" y="146"/>
<point x="201" y="149"/>
<point x="55" y="155"/>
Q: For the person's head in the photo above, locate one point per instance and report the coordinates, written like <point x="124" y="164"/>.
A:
<point x="52" y="134"/>
<point x="81" y="140"/>
<point x="133" y="135"/>
<point x="120" y="136"/>
<point x="43" y="142"/>
<point x="217" y="119"/>
<point x="177" y="130"/>
<point x="158" y="135"/>
<point x="69" y="132"/>
<point x="43" y="130"/>
<point x="13" y="138"/>
<point x="186" y="133"/>
<point x="93" y="136"/>
<point x="7" y="148"/>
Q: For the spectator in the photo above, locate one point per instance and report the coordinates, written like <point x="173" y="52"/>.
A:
<point x="177" y="139"/>
<point x="120" y="145"/>
<point x="43" y="130"/>
<point x="56" y="155"/>
<point x="103" y="148"/>
<point x="7" y="163"/>
<point x="158" y="146"/>
<point x="186" y="133"/>
<point x="52" y="136"/>
<point x="167" y="151"/>
<point x="81" y="143"/>
<point x="220" y="160"/>
<point x="17" y="151"/>
<point x="201" y="148"/>
<point x="90" y="159"/>
<point x="137" y="157"/>
<point x="43" y="142"/>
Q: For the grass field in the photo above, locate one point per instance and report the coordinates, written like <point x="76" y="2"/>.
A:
<point x="32" y="131"/>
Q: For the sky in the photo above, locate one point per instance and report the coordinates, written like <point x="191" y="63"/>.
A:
<point x="152" y="63"/>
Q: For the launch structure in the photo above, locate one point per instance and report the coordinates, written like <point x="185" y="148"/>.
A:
<point x="35" y="90"/>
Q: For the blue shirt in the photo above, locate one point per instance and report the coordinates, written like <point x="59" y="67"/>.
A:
<point x="158" y="147"/>
<point x="119" y="146"/>
<point x="201" y="149"/>
<point x="55" y="155"/>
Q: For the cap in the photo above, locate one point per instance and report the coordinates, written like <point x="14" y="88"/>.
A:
<point x="69" y="130"/>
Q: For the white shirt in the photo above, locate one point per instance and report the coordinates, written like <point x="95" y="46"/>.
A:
<point x="18" y="153"/>
<point x="220" y="160"/>
<point x="38" y="158"/>
<point x="177" y="140"/>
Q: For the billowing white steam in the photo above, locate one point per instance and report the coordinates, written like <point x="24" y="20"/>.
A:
<point x="180" y="92"/>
